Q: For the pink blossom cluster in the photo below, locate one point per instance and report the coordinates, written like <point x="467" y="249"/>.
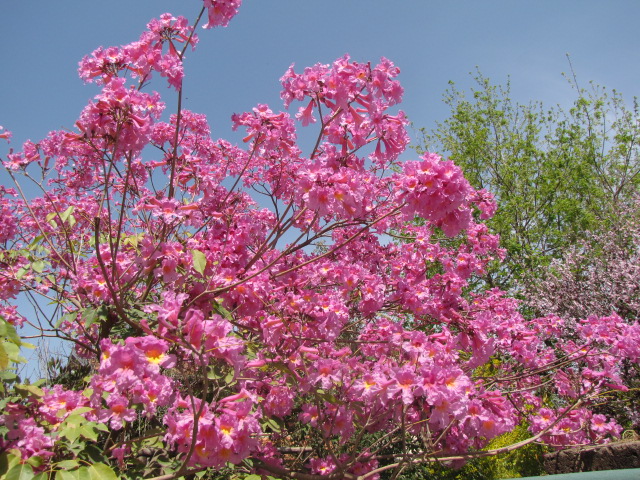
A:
<point x="5" y="134"/>
<point x="326" y="466"/>
<point x="355" y="97"/>
<point x="157" y="50"/>
<point x="579" y="427"/>
<point x="436" y="190"/>
<point x="220" y="12"/>
<point x="131" y="376"/>
<point x="227" y="433"/>
<point x="597" y="277"/>
<point x="24" y="434"/>
<point x="58" y="402"/>
<point x="8" y="223"/>
<point x="122" y="113"/>
<point x="30" y="427"/>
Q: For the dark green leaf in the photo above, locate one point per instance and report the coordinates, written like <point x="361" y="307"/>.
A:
<point x="20" y="472"/>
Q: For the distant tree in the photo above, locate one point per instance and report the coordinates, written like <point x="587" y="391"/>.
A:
<point x="555" y="174"/>
<point x="600" y="275"/>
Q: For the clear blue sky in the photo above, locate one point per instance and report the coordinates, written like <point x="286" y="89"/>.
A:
<point x="235" y="68"/>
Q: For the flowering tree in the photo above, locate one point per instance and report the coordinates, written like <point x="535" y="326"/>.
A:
<point x="258" y="311"/>
<point x="598" y="276"/>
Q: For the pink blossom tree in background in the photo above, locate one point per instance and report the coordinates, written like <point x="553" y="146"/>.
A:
<point x="600" y="276"/>
<point x="258" y="311"/>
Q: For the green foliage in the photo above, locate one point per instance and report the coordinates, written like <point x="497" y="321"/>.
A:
<point x="10" y="344"/>
<point x="556" y="174"/>
<point x="11" y="468"/>
<point x="525" y="461"/>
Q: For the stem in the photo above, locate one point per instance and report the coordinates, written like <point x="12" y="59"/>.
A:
<point x="116" y="302"/>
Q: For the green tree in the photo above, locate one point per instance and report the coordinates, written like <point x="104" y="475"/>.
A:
<point x="556" y="174"/>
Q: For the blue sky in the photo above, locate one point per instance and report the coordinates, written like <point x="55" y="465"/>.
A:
<point x="235" y="68"/>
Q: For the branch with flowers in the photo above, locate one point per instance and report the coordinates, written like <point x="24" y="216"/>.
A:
<point x="250" y="310"/>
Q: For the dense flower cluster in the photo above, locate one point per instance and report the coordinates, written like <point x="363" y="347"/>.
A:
<point x="131" y="375"/>
<point x="24" y="434"/>
<point x="220" y="12"/>
<point x="596" y="277"/>
<point x="157" y="50"/>
<point x="342" y="311"/>
<point x="228" y="435"/>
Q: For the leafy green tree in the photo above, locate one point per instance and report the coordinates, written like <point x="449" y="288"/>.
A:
<point x="556" y="174"/>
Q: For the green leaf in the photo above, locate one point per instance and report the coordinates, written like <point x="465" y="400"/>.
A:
<point x="29" y="391"/>
<point x="66" y="317"/>
<point x="328" y="397"/>
<point x="223" y="311"/>
<point x="7" y="376"/>
<point x="199" y="261"/>
<point x="93" y="315"/>
<point x="20" y="472"/>
<point x="215" y="372"/>
<point x="100" y="471"/>
<point x="8" y="331"/>
<point x="91" y="454"/>
<point x="8" y="461"/>
<point x="80" y="410"/>
<point x="71" y="427"/>
<point x="272" y="423"/>
<point x="77" y="426"/>
<point x="88" y="432"/>
<point x="70" y="434"/>
<point x="35" y="461"/>
<point x="133" y="240"/>
<point x="283" y="367"/>
<point x="38" y="266"/>
<point x="102" y="427"/>
<point x="67" y="464"/>
<point x="65" y="215"/>
<point x="13" y="352"/>
<point x="4" y="357"/>
<point x="81" y="473"/>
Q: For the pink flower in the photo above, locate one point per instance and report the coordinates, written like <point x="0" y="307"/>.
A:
<point x="405" y="383"/>
<point x="57" y="403"/>
<point x="309" y="415"/>
<point x="327" y="373"/>
<point x="279" y="401"/>
<point x="221" y="12"/>
<point x="118" y="412"/>
<point x="305" y="115"/>
<point x="6" y="134"/>
<point x="154" y="349"/>
<point x="322" y="466"/>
